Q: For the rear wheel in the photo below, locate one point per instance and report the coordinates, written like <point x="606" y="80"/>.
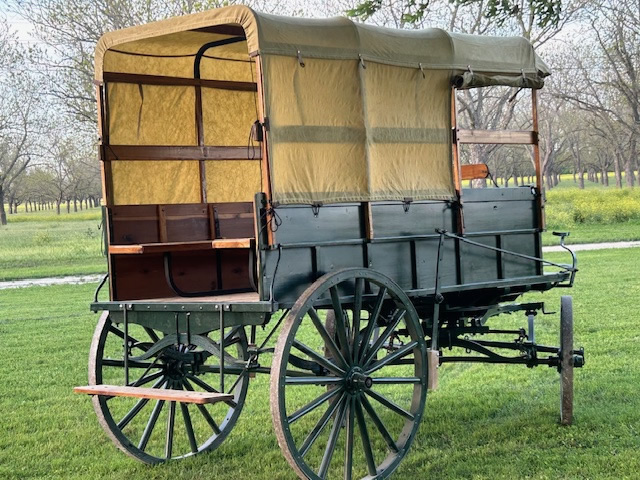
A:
<point x="156" y="431"/>
<point x="345" y="403"/>
<point x="566" y="360"/>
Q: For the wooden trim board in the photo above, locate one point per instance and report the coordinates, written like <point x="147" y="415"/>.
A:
<point x="183" y="396"/>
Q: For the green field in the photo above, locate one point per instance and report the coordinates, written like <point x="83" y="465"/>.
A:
<point x="41" y="245"/>
<point x="483" y="422"/>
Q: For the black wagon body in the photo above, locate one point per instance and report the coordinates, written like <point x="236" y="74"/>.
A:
<point x="342" y="233"/>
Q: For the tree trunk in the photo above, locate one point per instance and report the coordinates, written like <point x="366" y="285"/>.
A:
<point x="605" y="177"/>
<point x="68" y="205"/>
<point x="3" y="214"/>
<point x="616" y="169"/>
<point x="58" y="202"/>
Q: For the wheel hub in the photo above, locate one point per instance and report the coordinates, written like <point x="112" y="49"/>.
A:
<point x="357" y="381"/>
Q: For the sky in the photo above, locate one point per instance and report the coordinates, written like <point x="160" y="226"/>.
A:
<point x="22" y="27"/>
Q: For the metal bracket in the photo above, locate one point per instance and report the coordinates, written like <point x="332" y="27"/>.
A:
<point x="406" y="204"/>
<point x="315" y="209"/>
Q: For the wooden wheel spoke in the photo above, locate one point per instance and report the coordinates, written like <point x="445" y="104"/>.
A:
<point x="137" y="407"/>
<point x="311" y="406"/>
<point x="397" y="317"/>
<point x="400" y="353"/>
<point x="230" y="338"/>
<point x="320" y="425"/>
<point x="389" y="404"/>
<point x="313" y="380"/>
<point x="189" y="428"/>
<point x="366" y="440"/>
<point x="328" y="340"/>
<point x="148" y="430"/>
<point x="348" y="449"/>
<point x="357" y="311"/>
<point x="373" y="319"/>
<point x="203" y="410"/>
<point x="112" y="362"/>
<point x="379" y="425"/>
<point x="135" y="343"/>
<point x="152" y="334"/>
<point x="333" y="438"/>
<point x="205" y="386"/>
<point x="341" y="326"/>
<point x="395" y="380"/>
<point x="316" y="357"/>
<point x="171" y="421"/>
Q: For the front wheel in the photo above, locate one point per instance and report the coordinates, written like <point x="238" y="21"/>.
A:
<point x="566" y="360"/>
<point x="154" y="432"/>
<point x="372" y="359"/>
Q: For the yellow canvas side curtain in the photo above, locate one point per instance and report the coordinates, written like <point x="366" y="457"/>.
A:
<point x="355" y="112"/>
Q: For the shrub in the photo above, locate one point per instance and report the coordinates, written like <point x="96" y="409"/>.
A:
<point x="567" y="207"/>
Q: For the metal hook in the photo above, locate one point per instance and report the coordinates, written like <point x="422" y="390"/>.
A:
<point x="362" y="62"/>
<point x="300" y="60"/>
<point x="422" y="70"/>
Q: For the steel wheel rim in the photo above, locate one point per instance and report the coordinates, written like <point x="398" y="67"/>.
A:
<point x="225" y="423"/>
<point x="350" y="407"/>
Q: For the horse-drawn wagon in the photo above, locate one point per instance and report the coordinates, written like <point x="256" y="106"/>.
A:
<point x="302" y="177"/>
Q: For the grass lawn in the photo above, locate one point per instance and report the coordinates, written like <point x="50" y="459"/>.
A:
<point x="596" y="233"/>
<point x="43" y="248"/>
<point x="483" y="422"/>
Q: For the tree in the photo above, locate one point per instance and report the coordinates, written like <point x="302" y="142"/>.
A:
<point x="18" y="109"/>
<point x="606" y="85"/>
<point x="545" y="12"/>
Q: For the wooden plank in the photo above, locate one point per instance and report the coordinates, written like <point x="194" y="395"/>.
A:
<point x="211" y="214"/>
<point x="126" y="249"/>
<point x="184" y="396"/>
<point x="503" y="137"/>
<point x="222" y="243"/>
<point x="161" y="152"/>
<point x="162" y="224"/>
<point x="231" y="243"/>
<point x="368" y="220"/>
<point x="178" y="81"/>
<point x="472" y="172"/>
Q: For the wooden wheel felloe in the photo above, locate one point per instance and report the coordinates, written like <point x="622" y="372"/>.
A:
<point x="566" y="360"/>
<point x="154" y="431"/>
<point x="364" y="424"/>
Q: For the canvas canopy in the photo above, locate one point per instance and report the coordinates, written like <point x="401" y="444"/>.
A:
<point x="355" y="112"/>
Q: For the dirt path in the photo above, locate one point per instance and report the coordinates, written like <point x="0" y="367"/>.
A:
<point x="592" y="246"/>
<point x="79" y="279"/>
<point x="45" y="282"/>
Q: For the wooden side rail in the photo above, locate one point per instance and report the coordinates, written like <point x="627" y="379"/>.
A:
<point x="504" y="137"/>
<point x="167" y="152"/>
<point x="473" y="172"/>
<point x="184" y="396"/>
<point x="139" y="249"/>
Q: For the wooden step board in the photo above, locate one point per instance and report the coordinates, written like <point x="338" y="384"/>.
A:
<point x="183" y="396"/>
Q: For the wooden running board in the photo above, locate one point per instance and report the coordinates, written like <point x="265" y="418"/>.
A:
<point x="183" y="396"/>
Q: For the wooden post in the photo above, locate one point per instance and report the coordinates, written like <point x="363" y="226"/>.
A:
<point x="457" y="174"/>
<point x="264" y="162"/>
<point x="536" y="159"/>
